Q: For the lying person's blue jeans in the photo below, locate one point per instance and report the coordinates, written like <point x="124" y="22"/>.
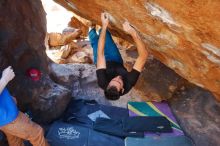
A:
<point x="111" y="50"/>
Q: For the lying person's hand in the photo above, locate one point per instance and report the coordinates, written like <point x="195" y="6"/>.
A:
<point x="8" y="74"/>
<point x="105" y="19"/>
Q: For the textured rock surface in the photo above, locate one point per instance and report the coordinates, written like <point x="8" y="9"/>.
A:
<point x="75" y="23"/>
<point x="184" y="35"/>
<point x="58" y="39"/>
<point x="199" y="115"/>
<point x="51" y="102"/>
<point x="79" y="52"/>
<point x="68" y="74"/>
<point x="157" y="82"/>
<point x="22" y="34"/>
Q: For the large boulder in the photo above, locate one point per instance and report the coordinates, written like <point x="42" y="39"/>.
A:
<point x="198" y="114"/>
<point x="22" y="45"/>
<point x="184" y="35"/>
<point x="68" y="74"/>
<point x="22" y="34"/>
<point x="52" y="100"/>
<point x="157" y="82"/>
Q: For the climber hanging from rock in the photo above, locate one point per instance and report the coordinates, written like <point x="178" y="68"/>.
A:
<point x="112" y="76"/>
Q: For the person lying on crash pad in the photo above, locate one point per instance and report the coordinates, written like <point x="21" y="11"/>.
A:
<point x="112" y="76"/>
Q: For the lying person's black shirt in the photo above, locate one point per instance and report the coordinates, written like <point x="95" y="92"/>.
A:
<point x="114" y="69"/>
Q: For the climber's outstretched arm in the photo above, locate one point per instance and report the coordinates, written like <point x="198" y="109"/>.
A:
<point x="101" y="63"/>
<point x="142" y="52"/>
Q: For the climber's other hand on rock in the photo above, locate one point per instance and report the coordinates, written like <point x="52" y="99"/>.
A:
<point x="128" y="28"/>
<point x="105" y="19"/>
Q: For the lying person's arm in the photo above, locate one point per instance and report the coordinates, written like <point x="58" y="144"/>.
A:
<point x="142" y="52"/>
<point x="7" y="75"/>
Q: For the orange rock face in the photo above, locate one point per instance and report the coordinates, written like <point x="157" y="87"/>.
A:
<point x="75" y="23"/>
<point x="184" y="35"/>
